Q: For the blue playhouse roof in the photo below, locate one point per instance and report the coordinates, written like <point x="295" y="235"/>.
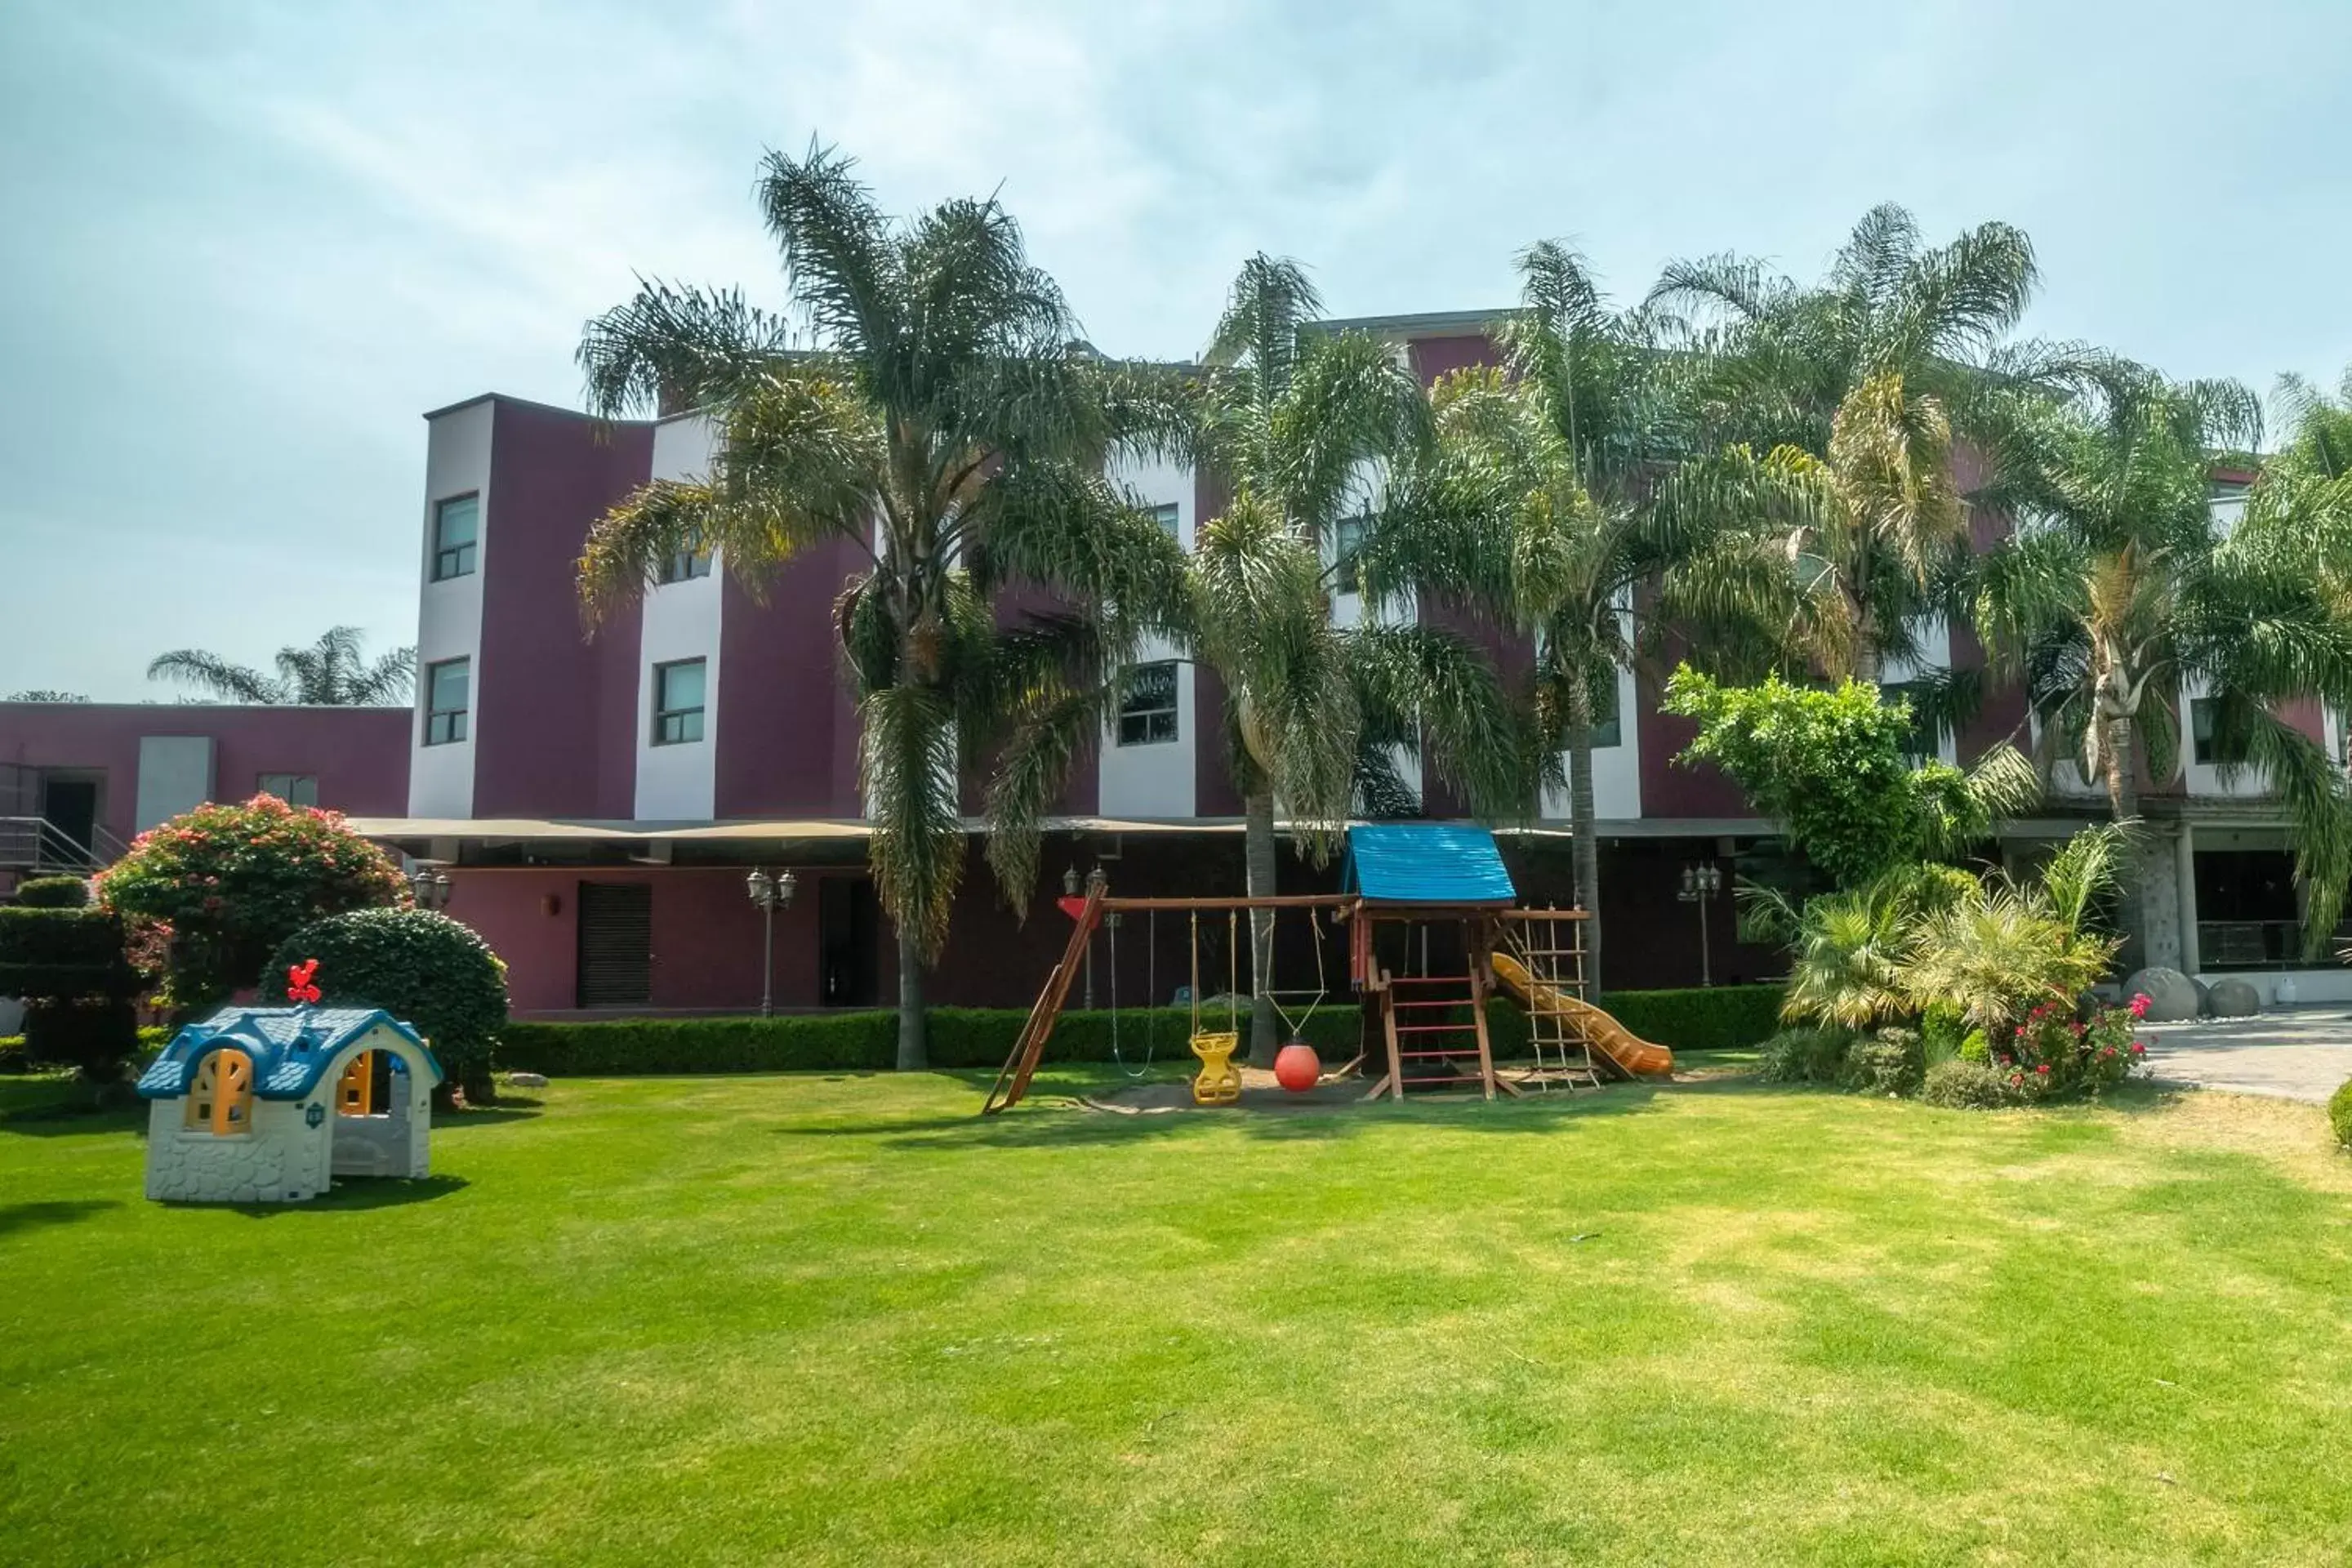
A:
<point x="1426" y="863"/>
<point x="290" y="1048"/>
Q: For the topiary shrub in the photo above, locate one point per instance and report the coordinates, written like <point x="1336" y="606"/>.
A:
<point x="1804" y="1056"/>
<point x="224" y="885"/>
<point x="424" y="968"/>
<point x="52" y="893"/>
<point x="1891" y="1062"/>
<point x="2339" y="1113"/>
<point x="1964" y="1085"/>
<point x="69" y="967"/>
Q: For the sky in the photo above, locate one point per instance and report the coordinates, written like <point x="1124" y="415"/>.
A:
<point x="245" y="247"/>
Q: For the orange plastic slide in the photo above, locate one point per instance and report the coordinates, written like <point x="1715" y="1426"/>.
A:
<point x="1604" y="1034"/>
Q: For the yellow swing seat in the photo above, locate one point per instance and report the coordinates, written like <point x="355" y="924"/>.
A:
<point x="1219" y="1081"/>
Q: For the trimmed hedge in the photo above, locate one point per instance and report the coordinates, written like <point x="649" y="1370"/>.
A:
<point x="428" y="970"/>
<point x="1724" y="1017"/>
<point x="2339" y="1113"/>
<point x="53" y="893"/>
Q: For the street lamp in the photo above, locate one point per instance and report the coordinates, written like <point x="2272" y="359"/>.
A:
<point x="770" y="893"/>
<point x="1701" y="883"/>
<point x="431" y="887"/>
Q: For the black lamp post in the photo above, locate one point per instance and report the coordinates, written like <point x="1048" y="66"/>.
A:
<point x="770" y="893"/>
<point x="1701" y="883"/>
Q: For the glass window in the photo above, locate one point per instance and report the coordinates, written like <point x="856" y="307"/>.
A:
<point x="1923" y="745"/>
<point x="294" y="789"/>
<point x="456" y="523"/>
<point x="1347" y="543"/>
<point x="1147" y="711"/>
<point x="1165" y="514"/>
<point x="2215" y="746"/>
<point x="692" y="561"/>
<point x="221" y="1100"/>
<point x="446" y="690"/>
<point x="677" y="702"/>
<point x="1606" y="731"/>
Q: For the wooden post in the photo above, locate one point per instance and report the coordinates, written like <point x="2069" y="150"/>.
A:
<point x="1394" y="1082"/>
<point x="1478" y="1018"/>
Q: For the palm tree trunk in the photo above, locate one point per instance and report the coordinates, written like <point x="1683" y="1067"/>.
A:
<point x="1258" y="871"/>
<point x="2123" y="803"/>
<point x="914" y="1052"/>
<point x="1581" y="817"/>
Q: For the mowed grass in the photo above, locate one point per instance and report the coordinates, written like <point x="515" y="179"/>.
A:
<point x="840" y="1320"/>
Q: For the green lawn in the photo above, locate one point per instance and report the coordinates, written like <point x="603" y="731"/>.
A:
<point x="839" y="1320"/>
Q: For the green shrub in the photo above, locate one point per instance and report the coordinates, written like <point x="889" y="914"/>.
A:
<point x="93" y="1038"/>
<point x="1975" y="1047"/>
<point x="428" y="970"/>
<point x="224" y="885"/>
<point x="1702" y="1018"/>
<point x="1891" y="1062"/>
<point x="1805" y="1056"/>
<point x="68" y="965"/>
<point x="2339" y="1113"/>
<point x="52" y="893"/>
<point x="14" y="1057"/>
<point x="1964" y="1085"/>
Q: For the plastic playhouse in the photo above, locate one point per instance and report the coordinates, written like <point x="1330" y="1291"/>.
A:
<point x="268" y="1105"/>
<point x="1423" y="1001"/>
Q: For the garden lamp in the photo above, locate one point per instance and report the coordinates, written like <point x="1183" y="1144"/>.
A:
<point x="771" y="894"/>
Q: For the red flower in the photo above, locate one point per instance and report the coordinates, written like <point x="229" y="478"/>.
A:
<point x="2138" y="1048"/>
<point x="2139" y="1006"/>
<point x="2043" y="1067"/>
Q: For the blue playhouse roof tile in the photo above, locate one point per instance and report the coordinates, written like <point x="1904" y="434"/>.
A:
<point x="290" y="1048"/>
<point x="1426" y="863"/>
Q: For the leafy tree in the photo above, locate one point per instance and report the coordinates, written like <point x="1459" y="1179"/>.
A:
<point x="1848" y="525"/>
<point x="1298" y="421"/>
<point x="1831" y="767"/>
<point x="2120" y="594"/>
<point x="216" y="889"/>
<point x="948" y="425"/>
<point x="424" y="968"/>
<point x="41" y="694"/>
<point x="333" y="672"/>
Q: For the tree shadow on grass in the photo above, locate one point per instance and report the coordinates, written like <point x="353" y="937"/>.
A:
<point x="16" y="1217"/>
<point x="351" y="1192"/>
<point x="498" y="1113"/>
<point x="1056" y="1120"/>
<point x="71" y="1113"/>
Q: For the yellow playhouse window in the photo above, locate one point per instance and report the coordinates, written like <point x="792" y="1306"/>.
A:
<point x="355" y="1091"/>
<point x="222" y="1100"/>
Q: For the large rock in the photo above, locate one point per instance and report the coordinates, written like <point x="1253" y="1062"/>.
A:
<point x="2235" y="998"/>
<point x="2171" y="996"/>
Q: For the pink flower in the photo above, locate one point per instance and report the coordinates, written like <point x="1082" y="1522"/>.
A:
<point x="2016" y="1080"/>
<point x="2138" y="1048"/>
<point x="2139" y="1006"/>
<point x="2044" y="1067"/>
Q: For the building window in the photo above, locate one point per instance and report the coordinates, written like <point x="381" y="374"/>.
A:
<point x="294" y="789"/>
<point x="1347" y="543"/>
<point x="1924" y="744"/>
<point x="1606" y="731"/>
<point x="447" y="687"/>
<point x="456" y="524"/>
<point x="686" y="564"/>
<point x="1165" y="515"/>
<point x="677" y="702"/>
<point x="2217" y="744"/>
<point x="222" y="1100"/>
<point x="1147" y="711"/>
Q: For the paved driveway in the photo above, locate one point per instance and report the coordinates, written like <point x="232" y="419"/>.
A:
<point x="2298" y="1055"/>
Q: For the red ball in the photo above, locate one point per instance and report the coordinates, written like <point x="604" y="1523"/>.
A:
<point x="1297" y="1066"/>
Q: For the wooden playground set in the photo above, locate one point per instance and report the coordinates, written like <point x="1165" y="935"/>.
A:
<point x="1401" y="883"/>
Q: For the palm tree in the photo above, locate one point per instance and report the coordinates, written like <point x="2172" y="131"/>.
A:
<point x="1297" y="421"/>
<point x="1533" y="505"/>
<point x="948" y="425"/>
<point x="1851" y="391"/>
<point x="2120" y="593"/>
<point x="333" y="672"/>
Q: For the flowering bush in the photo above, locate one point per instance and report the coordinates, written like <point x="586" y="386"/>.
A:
<point x="208" y="894"/>
<point x="2055" y="1055"/>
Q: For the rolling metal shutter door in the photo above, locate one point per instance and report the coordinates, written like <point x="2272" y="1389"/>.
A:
<point x="616" y="942"/>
